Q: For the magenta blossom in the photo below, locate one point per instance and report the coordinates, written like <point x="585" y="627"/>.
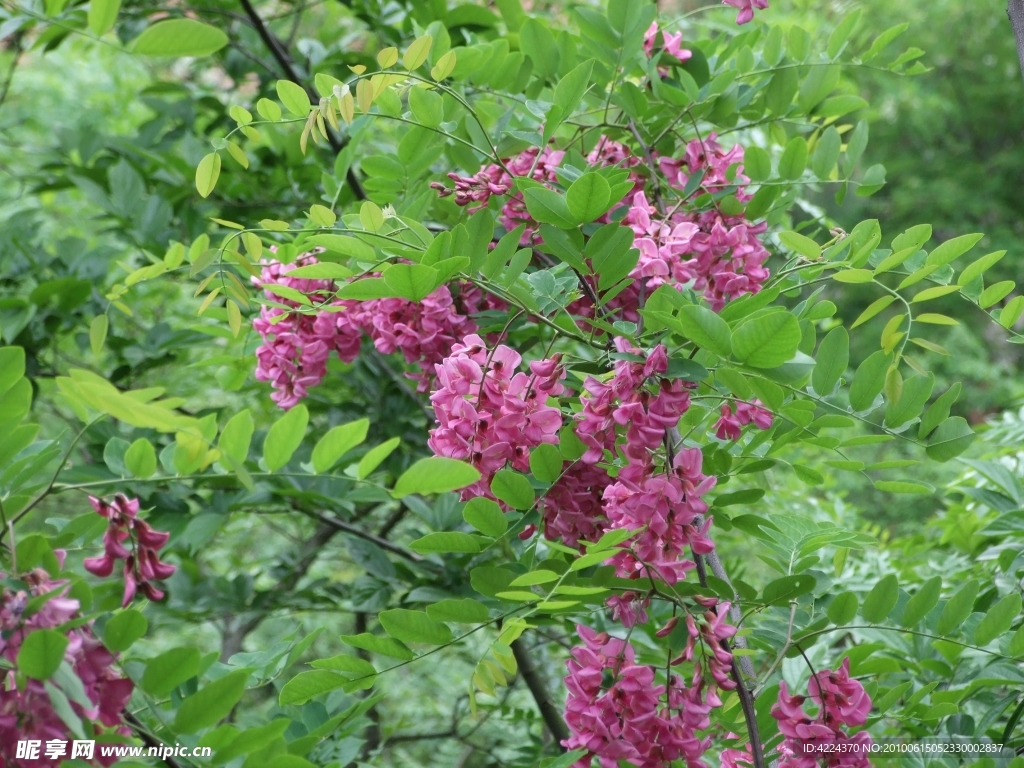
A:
<point x="730" y="425"/>
<point x="746" y="8"/>
<point x="672" y="41"/>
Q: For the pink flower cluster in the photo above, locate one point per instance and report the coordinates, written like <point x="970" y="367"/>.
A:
<point x="27" y="712"/>
<point x="746" y="8"/>
<point x="296" y="345"/>
<point x="491" y="414"/>
<point x="615" y="709"/>
<point x="142" y="562"/>
<point x="730" y="425"/>
<point x="671" y="43"/>
<point x="842" y="703"/>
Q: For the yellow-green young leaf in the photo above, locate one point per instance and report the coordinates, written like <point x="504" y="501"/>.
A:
<point x="371" y="216"/>
<point x="934" y="293"/>
<point x="284" y="437"/>
<point x="435" y="474"/>
<point x="337" y="442"/>
<point x="801" y="244"/>
<point x="102" y="15"/>
<point x="1010" y="314"/>
<point x="534" y="578"/>
<point x="294" y="98"/>
<point x="854" y="276"/>
<point x="207" y="173"/>
<point x="268" y="110"/>
<point x="179" y="37"/>
<point x="235" y="437"/>
<point x="952" y="249"/>
<point x="931" y="346"/>
<point x="485" y="516"/>
<point x="444" y="67"/>
<point x="253" y="245"/>
<point x="414" y="627"/>
<point x="322" y="216"/>
<point x="240" y="114"/>
<point x="894" y="260"/>
<point x="140" y="458"/>
<point x="234" y="317"/>
<point x="385" y="646"/>
<point x="211" y="703"/>
<point x="444" y="542"/>
<point x="916" y="277"/>
<point x="873" y="309"/>
<point x="998" y="619"/>
<point x="417" y="53"/>
<point x="98" y="333"/>
<point x="374" y="457"/>
<point x="978" y="268"/>
<point x="995" y="293"/>
<point x="387" y="57"/>
<point x="238" y="154"/>
<point x="903" y="486"/>
<point x="935" y="319"/>
<point x="427" y="107"/>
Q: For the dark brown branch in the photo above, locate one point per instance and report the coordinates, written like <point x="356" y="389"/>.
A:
<point x="538" y="687"/>
<point x="147" y="738"/>
<point x="281" y="56"/>
<point x="1015" y="10"/>
<point x="355" y="530"/>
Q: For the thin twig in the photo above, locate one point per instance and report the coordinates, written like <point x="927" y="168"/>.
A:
<point x="535" y="682"/>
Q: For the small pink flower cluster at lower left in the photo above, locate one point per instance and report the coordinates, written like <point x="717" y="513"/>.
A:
<point x="142" y="564"/>
<point x="27" y="711"/>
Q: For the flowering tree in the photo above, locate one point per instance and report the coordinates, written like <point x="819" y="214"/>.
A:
<point x="580" y="251"/>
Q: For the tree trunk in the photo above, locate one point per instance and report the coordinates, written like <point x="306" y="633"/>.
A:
<point x="1015" y="10"/>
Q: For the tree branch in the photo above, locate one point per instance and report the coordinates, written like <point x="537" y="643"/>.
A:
<point x="538" y="687"/>
<point x="355" y="530"/>
<point x="1015" y="10"/>
<point x="280" y="55"/>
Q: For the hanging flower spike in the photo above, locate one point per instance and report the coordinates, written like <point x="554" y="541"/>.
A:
<point x="730" y="425"/>
<point x="142" y="564"/>
<point x="746" y="8"/>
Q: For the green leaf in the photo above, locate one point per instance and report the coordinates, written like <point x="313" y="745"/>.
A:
<point x="757" y="164"/>
<point x="549" y="207"/>
<point x="995" y="293"/>
<point x="831" y="362"/>
<point x="854" y="276"/>
<point x="903" y="486"/>
<point x="435" y="475"/>
<point x="294" y="97"/>
<point x="417" y="52"/>
<point x="998" y="619"/>
<point x="385" y="646"/>
<point x="140" y="458"/>
<point x="787" y="588"/>
<point x="869" y="380"/>
<point x="921" y="604"/>
<point x="539" y="45"/>
<point x="512" y="488"/>
<point x="570" y="90"/>
<point x="872" y="310"/>
<point x="794" y="158"/>
<point x="801" y="244"/>
<point x="123" y="629"/>
<point x="916" y="391"/>
<point x="12" y="367"/>
<point x="346" y="663"/>
<point x="952" y="249"/>
<point x="180" y="37"/>
<point x="211" y="703"/>
<point x="843" y="608"/>
<point x="958" y="608"/>
<point x="284" y="437"/>
<point x="207" y="173"/>
<point x="588" y="197"/>
<point x="768" y="340"/>
<point x="938" y="411"/>
<point x="826" y="153"/>
<point x="41" y="653"/>
<point x="1016" y="648"/>
<point x="464" y="611"/>
<point x="411" y="281"/>
<point x="705" y="329"/>
<point x="375" y="456"/>
<point x="546" y="463"/>
<point x="170" y="669"/>
<point x="236" y="436"/>
<point x="485" y="516"/>
<point x="953" y="437"/>
<point x="445" y="541"/>
<point x="426" y="106"/>
<point x="414" y="627"/>
<point x="307" y="685"/>
<point x="102" y="15"/>
<point x="978" y="268"/>
<point x="837" y="106"/>
<point x="346" y="246"/>
<point x="337" y="442"/>
<point x="880" y="601"/>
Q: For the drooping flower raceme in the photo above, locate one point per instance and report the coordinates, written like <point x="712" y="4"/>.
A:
<point x="842" y="703"/>
<point x="491" y="414"/>
<point x="27" y="711"/>
<point x="730" y="425"/>
<point x="142" y="564"/>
